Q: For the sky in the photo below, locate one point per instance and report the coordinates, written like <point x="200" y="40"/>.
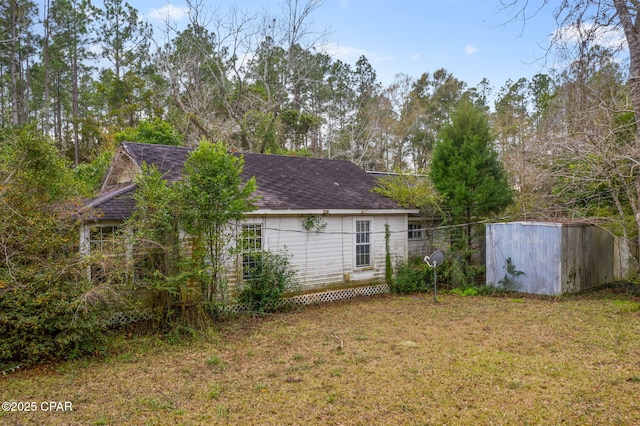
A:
<point x="472" y="39"/>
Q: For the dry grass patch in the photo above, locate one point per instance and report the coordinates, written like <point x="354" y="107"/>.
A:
<point x="382" y="360"/>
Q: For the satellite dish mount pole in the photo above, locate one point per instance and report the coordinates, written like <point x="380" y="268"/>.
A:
<point x="436" y="258"/>
<point x="435" y="281"/>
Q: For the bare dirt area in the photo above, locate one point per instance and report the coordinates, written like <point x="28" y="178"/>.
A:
<point x="380" y="360"/>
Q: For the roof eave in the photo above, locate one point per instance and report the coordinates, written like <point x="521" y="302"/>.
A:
<point x="330" y="212"/>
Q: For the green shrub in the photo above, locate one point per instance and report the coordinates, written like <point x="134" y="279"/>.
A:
<point x="154" y="131"/>
<point x="270" y="279"/>
<point x="45" y="317"/>
<point x="410" y="277"/>
<point x="89" y="175"/>
<point x="459" y="272"/>
<point x="471" y="291"/>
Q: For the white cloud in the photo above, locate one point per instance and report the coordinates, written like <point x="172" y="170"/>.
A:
<point x="350" y="54"/>
<point x="610" y="37"/>
<point x="338" y="51"/>
<point x="345" y="4"/>
<point x="169" y="12"/>
<point x="470" y="49"/>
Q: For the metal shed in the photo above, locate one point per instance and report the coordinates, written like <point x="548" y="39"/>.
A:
<point x="554" y="258"/>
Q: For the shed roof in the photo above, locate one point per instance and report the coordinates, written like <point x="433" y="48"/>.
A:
<point x="283" y="182"/>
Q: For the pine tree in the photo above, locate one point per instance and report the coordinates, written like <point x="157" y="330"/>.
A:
<point x="125" y="42"/>
<point x="18" y="46"/>
<point x="466" y="170"/>
<point x="71" y="28"/>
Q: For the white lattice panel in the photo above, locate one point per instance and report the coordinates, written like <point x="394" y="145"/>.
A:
<point x="322" y="297"/>
<point x="128" y="317"/>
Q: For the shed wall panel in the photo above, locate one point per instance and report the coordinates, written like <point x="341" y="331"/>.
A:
<point x="588" y="257"/>
<point x="533" y="250"/>
<point x="554" y="258"/>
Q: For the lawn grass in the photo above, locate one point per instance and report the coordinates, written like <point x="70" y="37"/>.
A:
<point x="381" y="360"/>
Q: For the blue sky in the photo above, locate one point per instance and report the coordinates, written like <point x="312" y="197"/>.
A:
<point x="469" y="38"/>
<point x="466" y="37"/>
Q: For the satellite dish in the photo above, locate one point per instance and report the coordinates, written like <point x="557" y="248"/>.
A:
<point x="436" y="258"/>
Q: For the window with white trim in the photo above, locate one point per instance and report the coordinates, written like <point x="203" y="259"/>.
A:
<point x="102" y="237"/>
<point x="415" y="231"/>
<point x="363" y="243"/>
<point x="102" y="241"/>
<point x="251" y="248"/>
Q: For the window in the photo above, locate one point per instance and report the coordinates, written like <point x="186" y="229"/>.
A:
<point x="102" y="237"/>
<point x="363" y="243"/>
<point x="415" y="231"/>
<point x="251" y="248"/>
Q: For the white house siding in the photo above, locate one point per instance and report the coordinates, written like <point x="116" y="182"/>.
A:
<point x="418" y="247"/>
<point x="326" y="259"/>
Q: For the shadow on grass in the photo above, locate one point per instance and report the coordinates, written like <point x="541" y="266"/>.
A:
<point x="618" y="290"/>
<point x="615" y="290"/>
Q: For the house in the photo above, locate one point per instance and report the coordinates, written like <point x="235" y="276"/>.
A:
<point x="321" y="211"/>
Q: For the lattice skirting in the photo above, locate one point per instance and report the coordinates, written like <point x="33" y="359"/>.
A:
<point x="129" y="317"/>
<point x="321" y="297"/>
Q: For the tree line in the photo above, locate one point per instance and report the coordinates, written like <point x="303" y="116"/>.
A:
<point x="89" y="77"/>
<point x="263" y="83"/>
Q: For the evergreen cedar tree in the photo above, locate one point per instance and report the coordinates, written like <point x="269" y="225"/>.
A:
<point x="466" y="170"/>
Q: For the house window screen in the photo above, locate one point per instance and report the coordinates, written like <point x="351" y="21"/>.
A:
<point x="251" y="248"/>
<point x="102" y="237"/>
<point x="363" y="243"/>
<point x="415" y="231"/>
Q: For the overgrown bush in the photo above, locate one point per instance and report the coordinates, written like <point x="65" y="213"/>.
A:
<point x="504" y="286"/>
<point x="270" y="279"/>
<point x="45" y="317"/>
<point x="458" y="271"/>
<point x="89" y="175"/>
<point x="411" y="277"/>
<point x="46" y="301"/>
<point x="212" y="194"/>
<point x="154" y="131"/>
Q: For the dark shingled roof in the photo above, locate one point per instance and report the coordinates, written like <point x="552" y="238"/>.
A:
<point x="284" y="182"/>
<point x="168" y="159"/>
<point x="115" y="205"/>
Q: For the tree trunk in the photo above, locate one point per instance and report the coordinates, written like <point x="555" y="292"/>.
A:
<point x="46" y="65"/>
<point x="632" y="35"/>
<point x="14" y="63"/>
<point x="75" y="95"/>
